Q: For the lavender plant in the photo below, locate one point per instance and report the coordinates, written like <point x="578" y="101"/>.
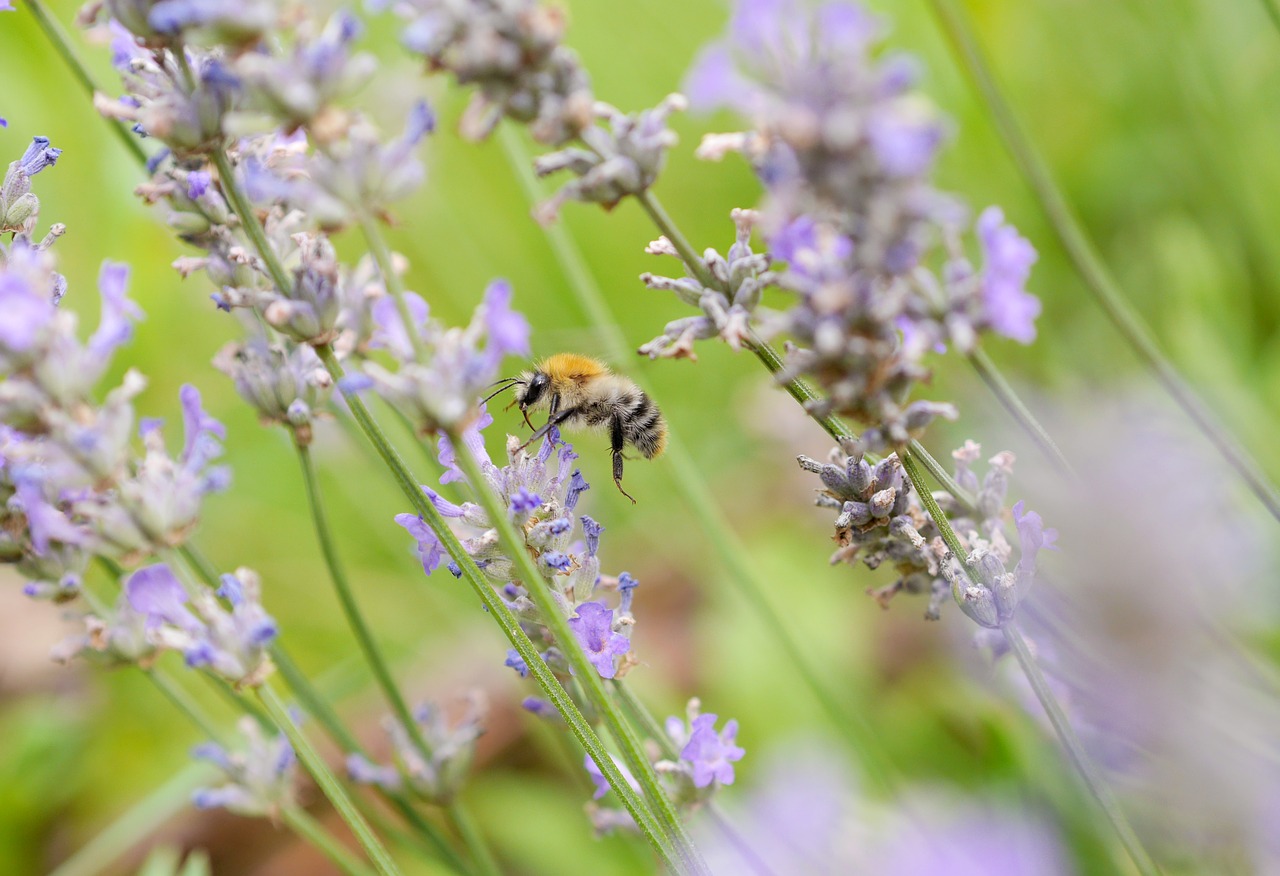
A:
<point x="264" y="166"/>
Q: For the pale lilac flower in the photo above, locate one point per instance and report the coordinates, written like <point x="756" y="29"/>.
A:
<point x="444" y="388"/>
<point x="602" y="784"/>
<point x="516" y="662"/>
<point x="232" y="644"/>
<point x="19" y="208"/>
<point x="259" y="778"/>
<point x="511" y="50"/>
<point x="593" y="628"/>
<point x="438" y="773"/>
<point x="968" y="840"/>
<point x="430" y="550"/>
<point x="1007" y="261"/>
<point x="711" y="755"/>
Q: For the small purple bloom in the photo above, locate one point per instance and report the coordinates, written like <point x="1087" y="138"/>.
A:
<point x="475" y="442"/>
<point x="508" y="331"/>
<point x="626" y="592"/>
<point x="593" y="628"/>
<point x="153" y="591"/>
<point x="365" y="772"/>
<point x="231" y="589"/>
<point x="710" y="754"/>
<point x="557" y="560"/>
<point x="1007" y="261"/>
<point x="577" y="486"/>
<point x="115" y="326"/>
<point x="592" y="531"/>
<point x="429" y="547"/>
<point x="1032" y="533"/>
<point x="602" y="784"/>
<point x="353" y="382"/>
<point x="524" y="503"/>
<point x="38" y="156"/>
<point x="45" y="522"/>
<point x="198" y="182"/>
<point x="516" y="662"/>
<point x="199" y="429"/>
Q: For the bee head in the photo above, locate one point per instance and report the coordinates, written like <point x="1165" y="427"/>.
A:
<point x="532" y="390"/>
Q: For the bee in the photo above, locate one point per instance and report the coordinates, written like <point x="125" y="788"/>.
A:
<point x="582" y="392"/>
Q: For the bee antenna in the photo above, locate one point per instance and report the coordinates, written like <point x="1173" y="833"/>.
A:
<point x="500" y="390"/>
<point x="506" y="380"/>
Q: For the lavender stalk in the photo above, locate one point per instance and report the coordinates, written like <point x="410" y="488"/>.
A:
<point x="585" y="672"/>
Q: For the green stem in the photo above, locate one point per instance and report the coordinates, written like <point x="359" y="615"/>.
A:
<point x="310" y="830"/>
<point x="249" y="222"/>
<point x="57" y="36"/>
<point x="140" y="821"/>
<point x="547" y="681"/>
<point x="968" y="503"/>
<point x="1075" y="751"/>
<point x="651" y="205"/>
<point x="1080" y="759"/>
<point x="391" y="280"/>
<point x="183" y="702"/>
<point x="1273" y="11"/>
<point x="329" y="784"/>
<point x="688" y="480"/>
<point x="1006" y="395"/>
<point x="373" y="655"/>
<point x="1088" y="263"/>
<point x="540" y="591"/>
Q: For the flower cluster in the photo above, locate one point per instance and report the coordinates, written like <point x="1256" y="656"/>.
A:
<point x="881" y="520"/>
<point x="703" y="762"/>
<point x="624" y="159"/>
<point x="541" y="491"/>
<point x="442" y="370"/>
<point x="260" y="777"/>
<point x="437" y="773"/>
<point x="19" y="207"/>
<point x="511" y="51"/>
<point x="75" y="485"/>
<point x="728" y="306"/>
<point x="845" y="147"/>
<point x="230" y="640"/>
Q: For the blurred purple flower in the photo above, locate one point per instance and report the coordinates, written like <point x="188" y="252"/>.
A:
<point x="1007" y="260"/>
<point x="602" y="784"/>
<point x="711" y="754"/>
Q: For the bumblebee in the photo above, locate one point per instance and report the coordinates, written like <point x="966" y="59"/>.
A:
<point x="581" y="392"/>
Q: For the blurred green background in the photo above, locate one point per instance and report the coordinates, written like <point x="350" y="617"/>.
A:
<point x="1159" y="120"/>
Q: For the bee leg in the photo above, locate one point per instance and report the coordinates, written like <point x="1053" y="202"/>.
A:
<point x="618" y="440"/>
<point x="548" y="425"/>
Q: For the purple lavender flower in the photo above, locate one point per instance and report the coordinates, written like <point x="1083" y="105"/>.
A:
<point x="459" y="365"/>
<point x="230" y="643"/>
<point x="438" y="773"/>
<point x="602" y="784"/>
<point x="516" y="662"/>
<point x="593" y="628"/>
<point x="430" y="550"/>
<point x="711" y="755"/>
<point x="512" y="52"/>
<point x="1007" y="261"/>
<point x="19" y="208"/>
<point x="965" y="842"/>
<point x="260" y="777"/>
